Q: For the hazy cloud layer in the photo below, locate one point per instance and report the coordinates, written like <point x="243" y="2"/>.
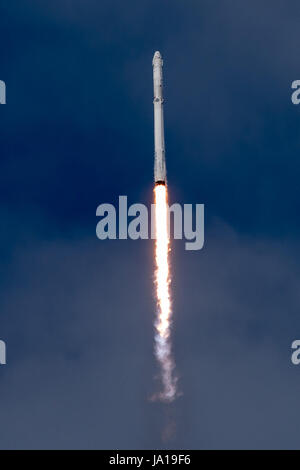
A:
<point x="77" y="317"/>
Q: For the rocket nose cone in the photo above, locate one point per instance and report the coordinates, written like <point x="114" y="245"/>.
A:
<point x="157" y="58"/>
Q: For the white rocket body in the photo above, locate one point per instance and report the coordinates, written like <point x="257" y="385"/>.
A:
<point x="160" y="174"/>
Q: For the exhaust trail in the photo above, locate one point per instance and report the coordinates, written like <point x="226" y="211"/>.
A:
<point x="163" y="350"/>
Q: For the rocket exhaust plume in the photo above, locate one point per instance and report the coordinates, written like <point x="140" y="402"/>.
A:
<point x="163" y="350"/>
<point x="162" y="280"/>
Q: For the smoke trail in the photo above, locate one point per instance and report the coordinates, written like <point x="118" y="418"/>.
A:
<point x="162" y="281"/>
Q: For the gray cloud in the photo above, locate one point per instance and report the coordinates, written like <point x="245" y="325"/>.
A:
<point x="77" y="318"/>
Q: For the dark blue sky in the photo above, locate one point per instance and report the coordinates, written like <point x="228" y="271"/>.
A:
<point x="77" y="313"/>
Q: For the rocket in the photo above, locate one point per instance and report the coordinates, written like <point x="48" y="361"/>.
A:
<point x="160" y="175"/>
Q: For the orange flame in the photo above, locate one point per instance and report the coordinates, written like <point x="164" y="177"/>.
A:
<point x="162" y="281"/>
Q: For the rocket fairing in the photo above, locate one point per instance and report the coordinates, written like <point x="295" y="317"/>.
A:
<point x="160" y="174"/>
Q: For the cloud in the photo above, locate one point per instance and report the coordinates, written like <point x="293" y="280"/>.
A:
<point x="77" y="318"/>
